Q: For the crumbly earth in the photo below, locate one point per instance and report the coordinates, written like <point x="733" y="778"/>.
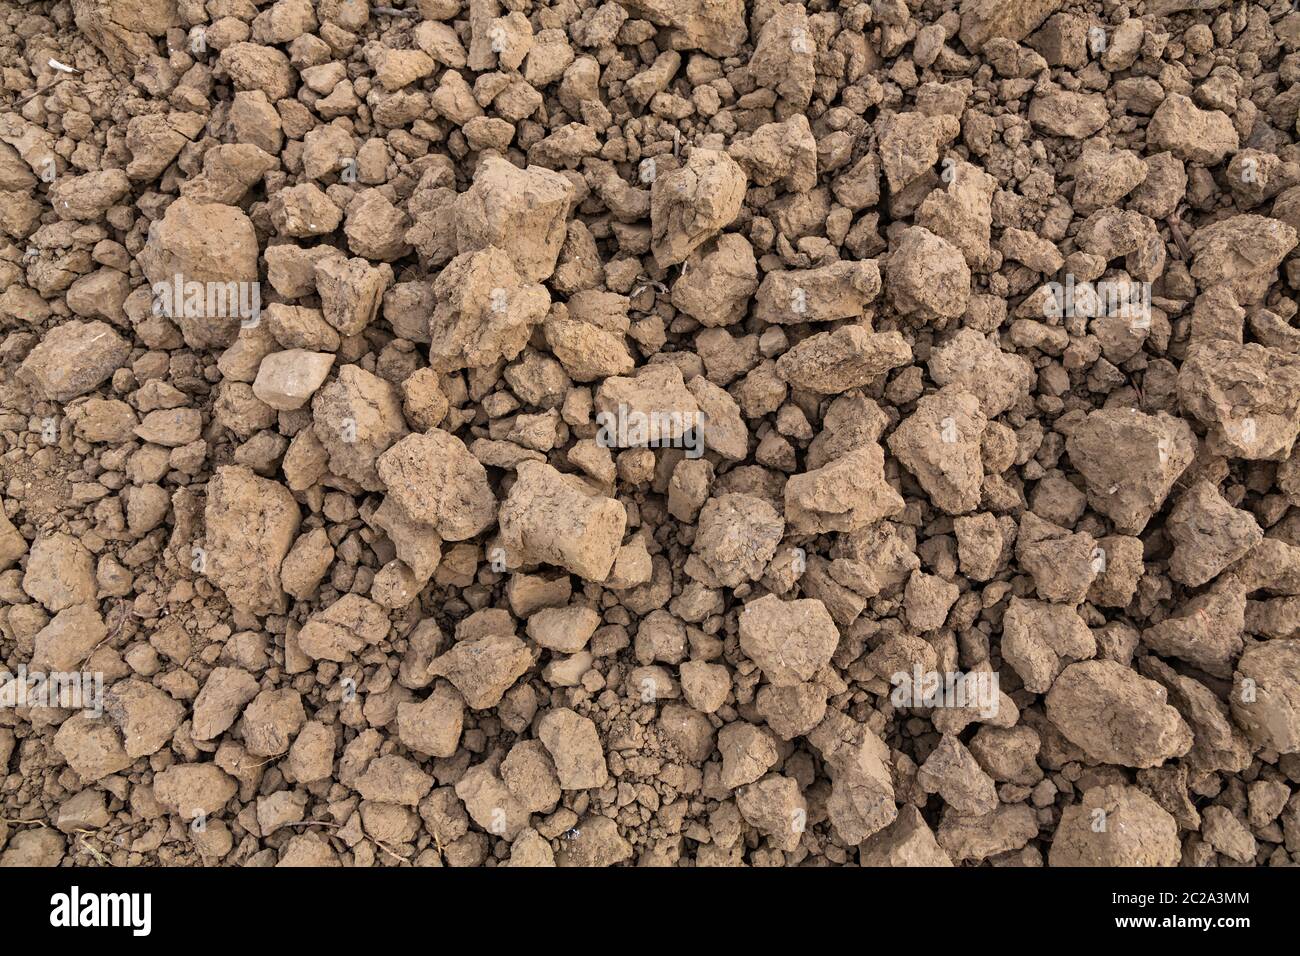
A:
<point x="504" y="432"/>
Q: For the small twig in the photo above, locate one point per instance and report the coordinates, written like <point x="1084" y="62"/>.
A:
<point x="1175" y="227"/>
<point x="117" y="629"/>
<point x="311" y="823"/>
<point x="39" y="90"/>
<point x="103" y="860"/>
<point x="394" y="12"/>
<point x="22" y="823"/>
<point x="399" y="859"/>
<point x="647" y="283"/>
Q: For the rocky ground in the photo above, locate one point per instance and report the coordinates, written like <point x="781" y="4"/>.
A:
<point x="508" y="433"/>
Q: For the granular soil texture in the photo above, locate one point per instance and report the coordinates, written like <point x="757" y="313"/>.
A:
<point x="649" y="432"/>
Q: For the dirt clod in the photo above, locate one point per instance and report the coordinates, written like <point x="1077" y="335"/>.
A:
<point x="650" y="433"/>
